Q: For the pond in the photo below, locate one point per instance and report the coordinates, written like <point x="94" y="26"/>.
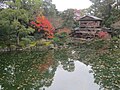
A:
<point x="65" y="69"/>
<point x="77" y="79"/>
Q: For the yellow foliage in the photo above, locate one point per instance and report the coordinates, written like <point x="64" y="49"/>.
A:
<point x="33" y="44"/>
<point x="46" y="43"/>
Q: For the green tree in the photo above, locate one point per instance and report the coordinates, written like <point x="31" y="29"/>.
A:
<point x="68" y="20"/>
<point x="104" y="9"/>
<point x="49" y="8"/>
<point x="13" y="25"/>
<point x="50" y="11"/>
<point x="32" y="6"/>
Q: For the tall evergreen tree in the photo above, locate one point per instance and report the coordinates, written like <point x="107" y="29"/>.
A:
<point x="15" y="19"/>
<point x="106" y="10"/>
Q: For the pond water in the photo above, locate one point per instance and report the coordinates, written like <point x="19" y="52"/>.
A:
<point x="57" y="70"/>
<point x="79" y="79"/>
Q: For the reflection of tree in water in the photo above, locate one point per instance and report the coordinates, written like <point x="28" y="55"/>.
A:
<point x="106" y="69"/>
<point x="63" y="57"/>
<point x="68" y="65"/>
<point x="105" y="62"/>
<point x="26" y="70"/>
<point x="47" y="69"/>
<point x="35" y="70"/>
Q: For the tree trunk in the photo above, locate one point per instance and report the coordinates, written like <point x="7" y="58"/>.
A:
<point x="117" y="4"/>
<point x="18" y="39"/>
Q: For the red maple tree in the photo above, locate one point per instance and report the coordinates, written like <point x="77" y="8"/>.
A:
<point x="41" y="23"/>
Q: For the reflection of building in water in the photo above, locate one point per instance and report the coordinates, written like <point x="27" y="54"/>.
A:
<point x="26" y="73"/>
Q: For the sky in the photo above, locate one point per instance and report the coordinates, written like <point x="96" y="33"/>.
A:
<point x="62" y="5"/>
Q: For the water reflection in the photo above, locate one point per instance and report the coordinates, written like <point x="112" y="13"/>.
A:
<point x="59" y="70"/>
<point x="105" y="64"/>
<point x="26" y="70"/>
<point x="79" y="79"/>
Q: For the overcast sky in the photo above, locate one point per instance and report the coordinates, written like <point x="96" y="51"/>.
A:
<point x="75" y="4"/>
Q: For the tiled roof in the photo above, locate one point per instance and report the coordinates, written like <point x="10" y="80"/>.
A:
<point x="91" y="16"/>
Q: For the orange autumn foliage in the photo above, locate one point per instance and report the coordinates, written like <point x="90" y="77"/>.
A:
<point x="48" y="61"/>
<point x="42" y="23"/>
<point x="66" y="30"/>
